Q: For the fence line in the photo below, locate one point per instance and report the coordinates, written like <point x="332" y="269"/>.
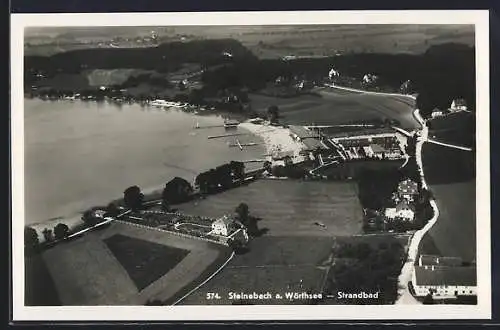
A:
<point x="174" y="232"/>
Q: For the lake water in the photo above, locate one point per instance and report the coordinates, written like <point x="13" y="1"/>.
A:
<point x="81" y="154"/>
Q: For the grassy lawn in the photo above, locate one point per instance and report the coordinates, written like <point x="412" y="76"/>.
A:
<point x="289" y="207"/>
<point x="450" y="174"/>
<point x="443" y="165"/>
<point x="274" y="264"/>
<point x="454" y="233"/>
<point x="40" y="289"/>
<point x="334" y="106"/>
<point x="456" y="128"/>
<point x="87" y="272"/>
<point x="145" y="262"/>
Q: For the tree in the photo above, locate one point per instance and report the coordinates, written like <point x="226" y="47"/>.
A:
<point x="133" y="198"/>
<point x="165" y="206"/>
<point x="47" y="235"/>
<point x="112" y="210"/>
<point x="61" y="231"/>
<point x="267" y="166"/>
<point x="288" y="160"/>
<point x="273" y="113"/>
<point x="428" y="300"/>
<point x="30" y="238"/>
<point x="243" y="213"/>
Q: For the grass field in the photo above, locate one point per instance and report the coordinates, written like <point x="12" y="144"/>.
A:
<point x="306" y="264"/>
<point x="334" y="106"/>
<point x="40" y="289"/>
<point x="289" y="207"/>
<point x="456" y="128"/>
<point x="86" y="272"/>
<point x="144" y="262"/>
<point x="274" y="264"/>
<point x="447" y="165"/>
<point x="450" y="174"/>
<point x="454" y="233"/>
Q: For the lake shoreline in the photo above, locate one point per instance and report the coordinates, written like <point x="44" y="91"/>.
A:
<point x="55" y="153"/>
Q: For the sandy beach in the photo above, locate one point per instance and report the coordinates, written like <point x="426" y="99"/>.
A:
<point x="278" y="141"/>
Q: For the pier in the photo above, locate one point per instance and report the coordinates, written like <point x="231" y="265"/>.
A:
<point x="226" y="135"/>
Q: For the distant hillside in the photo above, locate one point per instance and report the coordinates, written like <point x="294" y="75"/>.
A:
<point x="163" y="58"/>
<point x="270" y="41"/>
<point x="442" y="73"/>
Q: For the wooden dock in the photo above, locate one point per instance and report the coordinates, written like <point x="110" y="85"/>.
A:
<point x="226" y="135"/>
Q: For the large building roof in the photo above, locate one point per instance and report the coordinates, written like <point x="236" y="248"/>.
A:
<point x="444" y="275"/>
<point x="313" y="144"/>
<point x="302" y="132"/>
<point x="377" y="148"/>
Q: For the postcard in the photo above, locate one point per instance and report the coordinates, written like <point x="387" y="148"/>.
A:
<point x="313" y="165"/>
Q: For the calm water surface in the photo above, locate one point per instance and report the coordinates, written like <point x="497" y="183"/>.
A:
<point x="80" y="154"/>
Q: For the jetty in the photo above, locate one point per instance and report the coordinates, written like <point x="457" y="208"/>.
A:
<point x="226" y="135"/>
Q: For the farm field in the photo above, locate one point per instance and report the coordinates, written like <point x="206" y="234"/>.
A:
<point x="333" y="106"/>
<point x="40" y="289"/>
<point x="454" y="233"/>
<point x="144" y="261"/>
<point x="274" y="264"/>
<point x="267" y="41"/>
<point x="87" y="271"/>
<point x="289" y="207"/>
<point x="306" y="264"/>
<point x="450" y="174"/>
<point x="456" y="128"/>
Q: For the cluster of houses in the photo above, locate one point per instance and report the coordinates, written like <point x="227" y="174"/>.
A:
<point x="456" y="105"/>
<point x="444" y="278"/>
<point x="403" y="198"/>
<point x="382" y="146"/>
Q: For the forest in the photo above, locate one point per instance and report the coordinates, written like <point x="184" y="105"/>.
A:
<point x="444" y="72"/>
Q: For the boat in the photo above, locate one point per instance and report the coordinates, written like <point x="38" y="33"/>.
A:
<point x="167" y="104"/>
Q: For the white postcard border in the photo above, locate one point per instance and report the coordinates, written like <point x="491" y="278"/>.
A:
<point x="480" y="18"/>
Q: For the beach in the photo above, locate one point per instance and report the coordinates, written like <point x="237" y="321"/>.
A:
<point x="278" y="141"/>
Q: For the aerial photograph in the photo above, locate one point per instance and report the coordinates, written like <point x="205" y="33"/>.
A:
<point x="250" y="165"/>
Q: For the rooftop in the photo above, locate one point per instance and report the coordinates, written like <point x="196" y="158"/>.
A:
<point x="313" y="144"/>
<point x="302" y="132"/>
<point x="444" y="275"/>
<point x="377" y="148"/>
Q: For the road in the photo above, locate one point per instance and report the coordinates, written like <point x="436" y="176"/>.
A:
<point x="405" y="297"/>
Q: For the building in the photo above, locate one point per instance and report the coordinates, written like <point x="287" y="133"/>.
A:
<point x="300" y="132"/>
<point x="377" y="150"/>
<point x="436" y="113"/>
<point x="403" y="211"/>
<point x="221" y="226"/>
<point x="444" y="278"/>
<point x="458" y="105"/>
<point x="407" y="189"/>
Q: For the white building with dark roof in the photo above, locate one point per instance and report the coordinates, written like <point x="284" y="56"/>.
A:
<point x="444" y="277"/>
<point x="445" y="282"/>
<point x="403" y="211"/>
<point x="458" y="104"/>
<point x="221" y="226"/>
